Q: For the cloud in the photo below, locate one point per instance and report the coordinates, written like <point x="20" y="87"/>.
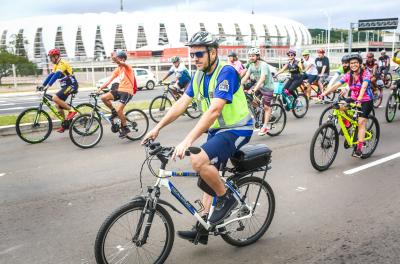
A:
<point x="309" y="12"/>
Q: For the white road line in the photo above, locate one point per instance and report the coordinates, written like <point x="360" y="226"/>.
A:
<point x="301" y="189"/>
<point x="1" y="104"/>
<point x="12" y="108"/>
<point x="2" y="174"/>
<point x="371" y="164"/>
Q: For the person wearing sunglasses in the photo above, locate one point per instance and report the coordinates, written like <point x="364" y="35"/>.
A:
<point x="295" y="70"/>
<point x="226" y="119"/>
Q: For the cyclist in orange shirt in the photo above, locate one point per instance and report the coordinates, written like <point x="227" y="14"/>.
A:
<point x="122" y="92"/>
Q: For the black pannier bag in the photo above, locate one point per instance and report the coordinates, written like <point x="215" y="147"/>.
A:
<point x="251" y="157"/>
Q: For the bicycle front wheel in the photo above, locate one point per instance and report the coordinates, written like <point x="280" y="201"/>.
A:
<point x="193" y="110"/>
<point x="324" y="147"/>
<point x="300" y="106"/>
<point x="371" y="144"/>
<point x="116" y="241"/>
<point x="391" y="107"/>
<point x="277" y="121"/>
<point x="138" y="124"/>
<point x="159" y="107"/>
<point x="261" y="200"/>
<point x="33" y="125"/>
<point x="86" y="131"/>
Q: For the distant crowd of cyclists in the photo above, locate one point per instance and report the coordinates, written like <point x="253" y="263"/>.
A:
<point x="219" y="87"/>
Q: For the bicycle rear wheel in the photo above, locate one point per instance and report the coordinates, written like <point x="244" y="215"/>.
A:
<point x="277" y="121"/>
<point x="260" y="197"/>
<point x="86" y="131"/>
<point x="159" y="107"/>
<point x="138" y="124"/>
<point x="300" y="106"/>
<point x="388" y="80"/>
<point x="370" y="145"/>
<point x="116" y="242"/>
<point x="193" y="110"/>
<point x="391" y="107"/>
<point x="324" y="147"/>
<point x="33" y="125"/>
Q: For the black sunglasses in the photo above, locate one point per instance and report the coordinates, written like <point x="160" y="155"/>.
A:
<point x="198" y="54"/>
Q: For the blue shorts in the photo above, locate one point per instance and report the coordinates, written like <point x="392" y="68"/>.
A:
<point x="221" y="146"/>
<point x="68" y="85"/>
<point x="311" y="78"/>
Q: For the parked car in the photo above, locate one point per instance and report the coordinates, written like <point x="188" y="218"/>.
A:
<point x="144" y="78"/>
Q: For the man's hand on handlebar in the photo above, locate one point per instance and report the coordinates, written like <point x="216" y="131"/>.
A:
<point x="180" y="150"/>
<point x="150" y="136"/>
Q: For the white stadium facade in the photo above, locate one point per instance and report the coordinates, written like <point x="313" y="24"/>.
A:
<point x="94" y="36"/>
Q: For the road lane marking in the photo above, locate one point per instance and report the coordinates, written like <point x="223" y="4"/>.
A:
<point x="301" y="189"/>
<point x="12" y="108"/>
<point x="2" y="174"/>
<point x="8" y="250"/>
<point x="371" y="164"/>
<point x="1" y="104"/>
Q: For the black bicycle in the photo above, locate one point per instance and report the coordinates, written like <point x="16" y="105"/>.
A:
<point x="88" y="130"/>
<point x="160" y="105"/>
<point x="142" y="230"/>
<point x="34" y="125"/>
<point x="277" y="120"/>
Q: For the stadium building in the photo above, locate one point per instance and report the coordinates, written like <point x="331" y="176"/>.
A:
<point x="88" y="37"/>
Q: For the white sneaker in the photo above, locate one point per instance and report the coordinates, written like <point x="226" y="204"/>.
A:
<point x="263" y="131"/>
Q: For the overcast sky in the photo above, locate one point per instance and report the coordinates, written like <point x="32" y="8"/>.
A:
<point x="311" y="13"/>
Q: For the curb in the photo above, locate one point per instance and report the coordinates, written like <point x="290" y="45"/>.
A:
<point x="11" y="94"/>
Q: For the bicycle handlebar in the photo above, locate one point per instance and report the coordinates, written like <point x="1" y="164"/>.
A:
<point x="156" y="148"/>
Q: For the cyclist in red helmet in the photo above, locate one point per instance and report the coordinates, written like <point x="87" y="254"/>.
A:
<point x="63" y="71"/>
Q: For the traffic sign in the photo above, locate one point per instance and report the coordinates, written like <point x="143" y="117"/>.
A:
<point x="378" y="24"/>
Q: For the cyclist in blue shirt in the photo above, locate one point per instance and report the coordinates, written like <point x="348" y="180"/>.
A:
<point x="226" y="117"/>
<point x="182" y="75"/>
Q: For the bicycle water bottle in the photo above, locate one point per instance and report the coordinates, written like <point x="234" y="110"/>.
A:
<point x="288" y="99"/>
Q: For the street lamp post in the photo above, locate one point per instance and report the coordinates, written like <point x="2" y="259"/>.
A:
<point x="328" y="39"/>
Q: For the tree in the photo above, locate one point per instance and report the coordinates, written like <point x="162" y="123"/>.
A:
<point x="23" y="65"/>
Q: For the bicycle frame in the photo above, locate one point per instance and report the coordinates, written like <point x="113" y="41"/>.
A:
<point x="163" y="181"/>
<point x="46" y="99"/>
<point x="340" y="116"/>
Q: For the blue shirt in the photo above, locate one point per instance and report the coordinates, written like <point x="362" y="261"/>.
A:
<point x="228" y="83"/>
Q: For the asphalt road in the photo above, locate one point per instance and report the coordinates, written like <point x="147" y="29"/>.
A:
<point x="54" y="197"/>
<point x="15" y="103"/>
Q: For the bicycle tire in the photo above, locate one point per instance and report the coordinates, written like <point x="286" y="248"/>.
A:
<point x="294" y="110"/>
<point x="141" y="117"/>
<point x="193" y="110"/>
<point x="156" y="110"/>
<point x="325" y="145"/>
<point x="83" y="119"/>
<point x="105" y="228"/>
<point x="20" y="123"/>
<point x="281" y="117"/>
<point x="377" y="101"/>
<point x="391" y="108"/>
<point x="367" y="153"/>
<point x="269" y="215"/>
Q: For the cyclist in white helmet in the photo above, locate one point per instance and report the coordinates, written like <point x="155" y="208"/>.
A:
<point x="182" y="75"/>
<point x="260" y="74"/>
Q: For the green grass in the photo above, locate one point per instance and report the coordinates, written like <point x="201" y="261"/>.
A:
<point x="6" y="120"/>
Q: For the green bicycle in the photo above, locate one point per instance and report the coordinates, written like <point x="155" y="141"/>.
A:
<point x="34" y="125"/>
<point x="325" y="142"/>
